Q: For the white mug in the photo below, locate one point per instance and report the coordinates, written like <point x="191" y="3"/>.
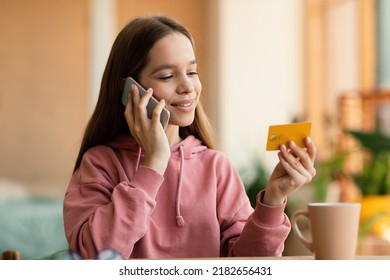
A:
<point x="334" y="229"/>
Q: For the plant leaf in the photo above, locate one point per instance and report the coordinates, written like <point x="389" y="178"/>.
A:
<point x="375" y="141"/>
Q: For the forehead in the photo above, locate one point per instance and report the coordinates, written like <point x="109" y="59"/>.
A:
<point x="173" y="48"/>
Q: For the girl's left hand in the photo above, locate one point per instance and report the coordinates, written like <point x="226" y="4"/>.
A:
<point x="295" y="168"/>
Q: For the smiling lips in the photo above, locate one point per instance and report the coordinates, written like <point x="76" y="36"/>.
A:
<point x="183" y="105"/>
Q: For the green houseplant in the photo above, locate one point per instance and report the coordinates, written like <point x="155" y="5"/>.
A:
<point x="374" y="181"/>
<point x="255" y="178"/>
<point x="327" y="172"/>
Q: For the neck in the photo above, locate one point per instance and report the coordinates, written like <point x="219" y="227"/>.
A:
<point x="172" y="132"/>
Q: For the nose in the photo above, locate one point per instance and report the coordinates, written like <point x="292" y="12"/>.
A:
<point x="185" y="85"/>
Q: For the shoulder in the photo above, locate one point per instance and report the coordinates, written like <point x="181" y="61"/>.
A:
<point x="103" y="159"/>
<point x="218" y="161"/>
<point x="103" y="164"/>
<point x="218" y="156"/>
<point x="98" y="154"/>
<point x="106" y="153"/>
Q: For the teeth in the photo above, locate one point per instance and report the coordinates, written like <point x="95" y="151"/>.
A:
<point x="184" y="105"/>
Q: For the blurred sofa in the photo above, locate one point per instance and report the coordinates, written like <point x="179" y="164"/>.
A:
<point x="33" y="226"/>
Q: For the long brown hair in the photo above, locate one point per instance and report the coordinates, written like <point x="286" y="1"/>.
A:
<point x="129" y="55"/>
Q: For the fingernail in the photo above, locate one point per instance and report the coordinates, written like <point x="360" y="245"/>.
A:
<point x="149" y="90"/>
<point x="308" y="139"/>
<point x="283" y="148"/>
<point x="292" y="144"/>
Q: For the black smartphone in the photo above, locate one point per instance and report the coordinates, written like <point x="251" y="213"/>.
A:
<point x="164" y="117"/>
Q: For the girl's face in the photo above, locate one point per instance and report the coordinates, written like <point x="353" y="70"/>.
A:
<point x="171" y="73"/>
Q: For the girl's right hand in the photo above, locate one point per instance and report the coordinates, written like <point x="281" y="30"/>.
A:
<point x="148" y="133"/>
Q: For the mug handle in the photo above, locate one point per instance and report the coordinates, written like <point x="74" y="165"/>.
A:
<point x="294" y="223"/>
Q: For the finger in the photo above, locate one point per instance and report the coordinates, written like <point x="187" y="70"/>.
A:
<point x="300" y="163"/>
<point x="136" y="111"/>
<point x="157" y="112"/>
<point x="139" y="106"/>
<point x="135" y="94"/>
<point x="145" y="98"/>
<point x="296" y="178"/>
<point x="311" y="148"/>
<point x="304" y="158"/>
<point x="129" y="116"/>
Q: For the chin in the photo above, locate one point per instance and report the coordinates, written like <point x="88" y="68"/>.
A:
<point x="183" y="122"/>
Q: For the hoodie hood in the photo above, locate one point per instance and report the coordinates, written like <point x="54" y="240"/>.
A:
<point x="191" y="146"/>
<point x="185" y="150"/>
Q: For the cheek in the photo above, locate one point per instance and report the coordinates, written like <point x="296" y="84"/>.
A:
<point x="198" y="87"/>
<point x="158" y="90"/>
<point x="161" y="92"/>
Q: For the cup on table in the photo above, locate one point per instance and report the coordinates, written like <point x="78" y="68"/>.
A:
<point x="334" y="229"/>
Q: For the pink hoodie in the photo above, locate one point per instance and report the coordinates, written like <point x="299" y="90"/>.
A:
<point x="199" y="208"/>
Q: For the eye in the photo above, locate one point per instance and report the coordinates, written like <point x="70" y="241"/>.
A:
<point x="166" y="77"/>
<point x="192" y="73"/>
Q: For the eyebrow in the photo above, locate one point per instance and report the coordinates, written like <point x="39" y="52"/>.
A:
<point x="169" y="66"/>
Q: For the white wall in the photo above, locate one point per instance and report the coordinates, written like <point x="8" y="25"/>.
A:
<point x="260" y="73"/>
<point x="342" y="52"/>
<point x="103" y="28"/>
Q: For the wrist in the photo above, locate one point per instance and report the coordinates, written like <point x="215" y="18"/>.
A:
<point x="271" y="198"/>
<point x="157" y="164"/>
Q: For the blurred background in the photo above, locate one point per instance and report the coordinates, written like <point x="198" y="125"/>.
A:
<point x="261" y="62"/>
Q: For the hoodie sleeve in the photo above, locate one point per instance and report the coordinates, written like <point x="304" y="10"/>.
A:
<point x="103" y="210"/>
<point x="244" y="231"/>
<point x="264" y="233"/>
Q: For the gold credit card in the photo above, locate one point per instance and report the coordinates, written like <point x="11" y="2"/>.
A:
<point x="282" y="134"/>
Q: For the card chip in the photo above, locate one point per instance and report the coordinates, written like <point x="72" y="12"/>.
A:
<point x="282" y="134"/>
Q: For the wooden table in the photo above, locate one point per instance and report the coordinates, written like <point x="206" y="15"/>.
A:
<point x="312" y="258"/>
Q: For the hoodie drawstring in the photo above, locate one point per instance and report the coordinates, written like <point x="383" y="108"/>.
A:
<point x="179" y="218"/>
<point x="138" y="159"/>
